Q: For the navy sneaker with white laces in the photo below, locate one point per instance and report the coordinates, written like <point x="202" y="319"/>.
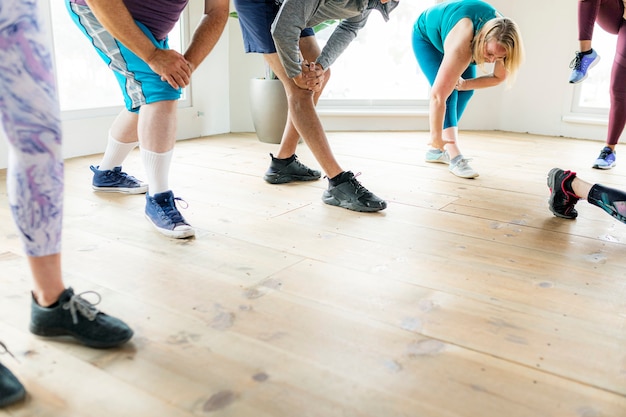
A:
<point x="161" y="211"/>
<point x="116" y="181"/>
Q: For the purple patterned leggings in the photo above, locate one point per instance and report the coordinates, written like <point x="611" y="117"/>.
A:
<point x="608" y="15"/>
<point x="30" y="117"/>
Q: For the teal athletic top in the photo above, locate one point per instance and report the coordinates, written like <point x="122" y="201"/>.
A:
<point x="436" y="22"/>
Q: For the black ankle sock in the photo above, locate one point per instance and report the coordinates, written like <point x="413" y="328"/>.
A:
<point x="339" y="178"/>
<point x="285" y="161"/>
<point x="587" y="52"/>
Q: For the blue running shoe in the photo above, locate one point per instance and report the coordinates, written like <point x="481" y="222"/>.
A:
<point x="116" y="181"/>
<point x="606" y="160"/>
<point x="581" y="64"/>
<point x="162" y="212"/>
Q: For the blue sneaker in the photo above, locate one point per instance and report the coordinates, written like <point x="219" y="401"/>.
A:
<point x="162" y="212"/>
<point x="581" y="64"/>
<point x="606" y="160"/>
<point x="116" y="181"/>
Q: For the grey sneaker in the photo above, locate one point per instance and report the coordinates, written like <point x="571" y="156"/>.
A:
<point x="11" y="390"/>
<point x="74" y="316"/>
<point x="116" y="181"/>
<point x="353" y="196"/>
<point x="280" y="173"/>
<point x="436" y="155"/>
<point x="161" y="211"/>
<point x="459" y="166"/>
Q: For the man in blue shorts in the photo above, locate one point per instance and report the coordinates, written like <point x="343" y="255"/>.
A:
<point x="131" y="37"/>
<point x="304" y="70"/>
<point x="255" y="19"/>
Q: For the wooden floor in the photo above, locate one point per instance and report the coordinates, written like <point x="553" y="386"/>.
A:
<point x="463" y="298"/>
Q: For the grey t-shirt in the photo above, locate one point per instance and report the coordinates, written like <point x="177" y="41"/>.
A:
<point x="295" y="15"/>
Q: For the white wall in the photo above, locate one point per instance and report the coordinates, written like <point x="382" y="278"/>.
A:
<point x="536" y="103"/>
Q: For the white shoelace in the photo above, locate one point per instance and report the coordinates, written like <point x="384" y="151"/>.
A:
<point x="82" y="306"/>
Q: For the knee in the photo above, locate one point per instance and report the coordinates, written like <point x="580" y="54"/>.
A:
<point x="326" y="77"/>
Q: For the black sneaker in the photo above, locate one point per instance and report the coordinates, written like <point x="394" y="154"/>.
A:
<point x="74" y="316"/>
<point x="280" y="173"/>
<point x="352" y="196"/>
<point x="562" y="201"/>
<point x="11" y="390"/>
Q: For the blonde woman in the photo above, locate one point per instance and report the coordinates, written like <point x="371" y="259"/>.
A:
<point x="449" y="40"/>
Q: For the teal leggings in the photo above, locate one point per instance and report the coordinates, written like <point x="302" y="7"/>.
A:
<point x="429" y="59"/>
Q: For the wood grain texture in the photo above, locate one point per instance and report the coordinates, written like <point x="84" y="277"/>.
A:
<point x="464" y="298"/>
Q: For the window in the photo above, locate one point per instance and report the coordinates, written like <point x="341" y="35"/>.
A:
<point x="85" y="83"/>
<point x="381" y="59"/>
<point x="592" y="95"/>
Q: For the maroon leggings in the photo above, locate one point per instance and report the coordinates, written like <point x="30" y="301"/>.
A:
<point x="608" y="14"/>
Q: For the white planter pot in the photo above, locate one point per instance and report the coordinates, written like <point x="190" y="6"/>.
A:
<point x="268" y="105"/>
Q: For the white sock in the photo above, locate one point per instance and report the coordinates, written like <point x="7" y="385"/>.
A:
<point x="157" y="166"/>
<point x="115" y="153"/>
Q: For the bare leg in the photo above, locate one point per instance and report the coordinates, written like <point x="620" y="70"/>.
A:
<point x="47" y="277"/>
<point x="581" y="188"/>
<point x="584" y="45"/>
<point x="156" y="127"/>
<point x="310" y="51"/>
<point x="306" y="122"/>
<point x="451" y="136"/>
<point x="124" y="128"/>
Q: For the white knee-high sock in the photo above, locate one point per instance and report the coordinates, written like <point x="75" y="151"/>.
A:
<point x="115" y="153"/>
<point x="157" y="167"/>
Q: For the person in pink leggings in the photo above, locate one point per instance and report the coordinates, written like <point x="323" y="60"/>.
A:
<point x="609" y="15"/>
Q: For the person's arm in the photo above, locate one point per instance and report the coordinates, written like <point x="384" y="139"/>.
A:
<point x="341" y="37"/>
<point x="456" y="58"/>
<point x="289" y="22"/>
<point x="207" y="32"/>
<point x="498" y="76"/>
<point x="117" y="20"/>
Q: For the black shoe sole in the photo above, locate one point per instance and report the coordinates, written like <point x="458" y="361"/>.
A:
<point x="284" y="179"/>
<point x="60" y="332"/>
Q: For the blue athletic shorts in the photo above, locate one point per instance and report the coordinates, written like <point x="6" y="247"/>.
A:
<point x="140" y="85"/>
<point x="256" y="18"/>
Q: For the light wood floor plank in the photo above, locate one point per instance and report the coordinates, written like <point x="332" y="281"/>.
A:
<point x="464" y="298"/>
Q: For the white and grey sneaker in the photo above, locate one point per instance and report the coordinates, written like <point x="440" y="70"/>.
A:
<point x="459" y="166"/>
<point x="437" y="155"/>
